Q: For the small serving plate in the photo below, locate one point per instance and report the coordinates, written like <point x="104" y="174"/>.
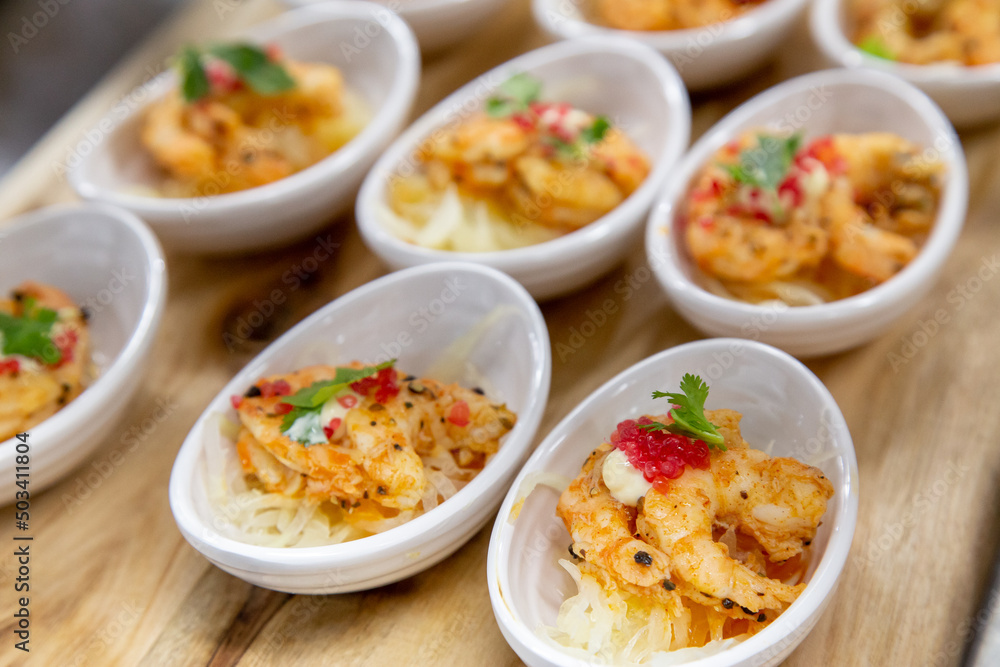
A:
<point x="816" y="104"/>
<point x="438" y="24"/>
<point x="382" y="66"/>
<point x="107" y="261"/>
<point x="460" y="315"/>
<point x="968" y="95"/>
<point x="628" y="82"/>
<point x="781" y="401"/>
<point x="706" y="57"/>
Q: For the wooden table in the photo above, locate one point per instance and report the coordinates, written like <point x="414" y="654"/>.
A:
<point x="115" y="583"/>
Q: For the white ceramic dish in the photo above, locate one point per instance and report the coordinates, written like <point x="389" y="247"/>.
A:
<point x="781" y="400"/>
<point x="626" y="81"/>
<point x="705" y="57"/>
<point x="414" y="316"/>
<point x="438" y="24"/>
<point x="968" y="95"/>
<point x="819" y="103"/>
<point x="384" y="68"/>
<point x="110" y="263"/>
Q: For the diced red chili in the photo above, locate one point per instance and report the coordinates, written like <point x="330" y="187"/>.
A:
<point x="332" y="427"/>
<point x="10" y="366"/>
<point x="348" y="401"/>
<point x="236" y="400"/>
<point x="459" y="414"/>
<point x="282" y="408"/>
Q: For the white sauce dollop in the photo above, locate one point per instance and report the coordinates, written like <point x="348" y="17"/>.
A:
<point x="626" y="483"/>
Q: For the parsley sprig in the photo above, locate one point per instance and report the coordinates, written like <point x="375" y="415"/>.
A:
<point x="766" y="165"/>
<point x="30" y="335"/>
<point x="250" y="63"/>
<point x="689" y="413"/>
<point x="311" y="399"/>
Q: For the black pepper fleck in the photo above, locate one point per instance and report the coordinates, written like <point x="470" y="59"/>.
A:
<point x="409" y="378"/>
<point x="366" y="495"/>
<point x="573" y="553"/>
<point x="381" y="491"/>
<point x="398" y="447"/>
<point x="747" y="610"/>
<point x="762" y="618"/>
<point x="373" y="422"/>
<point x="643" y="558"/>
<point x="727" y="603"/>
<point x="408" y="405"/>
<point x="743" y="495"/>
<point x="252" y="392"/>
<point x="85" y="314"/>
<point x="669" y="585"/>
<point x="479" y="391"/>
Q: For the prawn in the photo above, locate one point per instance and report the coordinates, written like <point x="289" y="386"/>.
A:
<point x="603" y="532"/>
<point x="35" y="391"/>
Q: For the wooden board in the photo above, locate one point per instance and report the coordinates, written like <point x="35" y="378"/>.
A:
<point x="114" y="582"/>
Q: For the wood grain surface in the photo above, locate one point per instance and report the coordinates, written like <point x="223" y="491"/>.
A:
<point x="113" y="582"/>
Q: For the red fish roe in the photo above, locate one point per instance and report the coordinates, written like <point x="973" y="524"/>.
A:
<point x="659" y="455"/>
<point x="279" y="388"/>
<point x="384" y="383"/>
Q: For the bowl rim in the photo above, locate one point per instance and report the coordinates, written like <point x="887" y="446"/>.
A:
<point x="662" y="252"/>
<point x="827" y="32"/>
<point x="412" y="8"/>
<point x="825" y="577"/>
<point x="576" y="244"/>
<point x="722" y="33"/>
<point x="401" y="93"/>
<point x="298" y="560"/>
<point x="115" y="376"/>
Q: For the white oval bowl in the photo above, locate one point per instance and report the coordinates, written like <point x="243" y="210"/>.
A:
<point x="626" y="81"/>
<point x="107" y="260"/>
<point x="705" y="57"/>
<point x="434" y="306"/>
<point x="438" y="24"/>
<point x="781" y="400"/>
<point x="829" y="101"/>
<point x="968" y="95"/>
<point x="383" y="66"/>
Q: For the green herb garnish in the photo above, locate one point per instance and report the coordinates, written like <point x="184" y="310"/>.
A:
<point x="30" y="334"/>
<point x="596" y="132"/>
<point x="875" y="46"/>
<point x="250" y="63"/>
<point x="766" y="165"/>
<point x="311" y="399"/>
<point x="689" y="413"/>
<point x="514" y="95"/>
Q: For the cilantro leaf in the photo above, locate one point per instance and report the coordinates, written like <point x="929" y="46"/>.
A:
<point x="875" y="46"/>
<point x="596" y="132"/>
<point x="514" y="95"/>
<point x="311" y="399"/>
<point x="766" y="165"/>
<point x="194" y="81"/>
<point x="254" y="68"/>
<point x="689" y="413"/>
<point x="30" y="334"/>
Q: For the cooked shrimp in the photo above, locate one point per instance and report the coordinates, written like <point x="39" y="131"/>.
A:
<point x="236" y="139"/>
<point x="739" y="249"/>
<point x="668" y="14"/>
<point x="376" y="455"/>
<point x="515" y="164"/>
<point x="603" y="534"/>
<point x="31" y="390"/>
<point x="777" y="501"/>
